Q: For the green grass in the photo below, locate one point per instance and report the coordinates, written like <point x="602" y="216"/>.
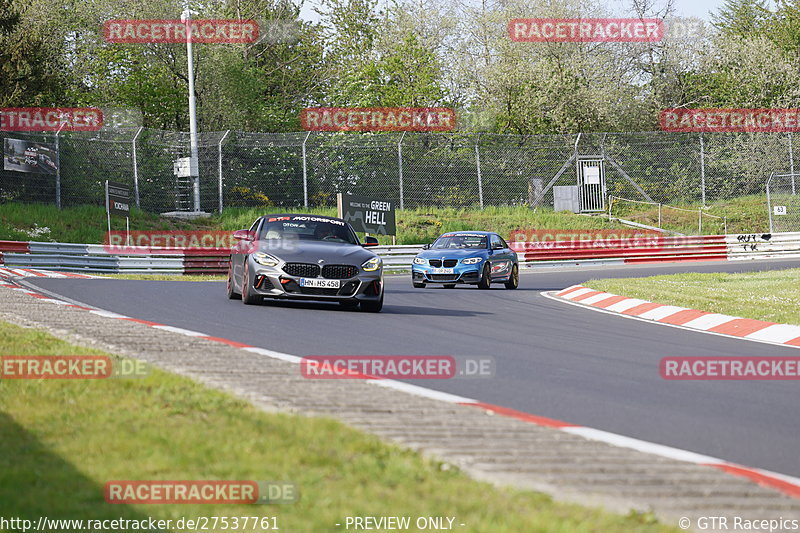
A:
<point x="87" y="224"/>
<point x="83" y="224"/>
<point x="747" y="214"/>
<point x="772" y="295"/>
<point x="62" y="440"/>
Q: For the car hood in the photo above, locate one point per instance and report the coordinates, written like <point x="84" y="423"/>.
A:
<point x="312" y="252"/>
<point x="454" y="253"/>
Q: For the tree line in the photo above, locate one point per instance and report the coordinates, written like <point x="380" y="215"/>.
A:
<point x="373" y="53"/>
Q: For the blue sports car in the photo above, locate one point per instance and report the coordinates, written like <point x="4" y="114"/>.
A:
<point x="469" y="257"/>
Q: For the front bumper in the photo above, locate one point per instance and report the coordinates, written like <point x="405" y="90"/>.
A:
<point x="272" y="282"/>
<point x="466" y="274"/>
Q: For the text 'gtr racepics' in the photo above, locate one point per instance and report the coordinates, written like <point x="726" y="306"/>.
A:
<point x="305" y="257"/>
<point x="468" y="257"/>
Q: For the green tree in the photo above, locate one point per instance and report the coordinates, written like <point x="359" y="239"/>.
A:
<point x="31" y="73"/>
<point x="743" y="18"/>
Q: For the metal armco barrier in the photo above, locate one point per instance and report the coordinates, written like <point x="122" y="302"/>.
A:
<point x="622" y="251"/>
<point x="763" y="245"/>
<point x="96" y="258"/>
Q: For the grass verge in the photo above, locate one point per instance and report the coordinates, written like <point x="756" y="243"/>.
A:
<point x="87" y="224"/>
<point x="165" y="277"/>
<point x="747" y="214"/>
<point x="62" y="440"/>
<point x="772" y="295"/>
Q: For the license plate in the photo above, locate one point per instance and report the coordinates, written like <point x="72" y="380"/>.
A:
<point x="442" y="270"/>
<point x="319" y="283"/>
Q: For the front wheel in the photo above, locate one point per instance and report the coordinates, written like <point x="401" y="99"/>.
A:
<point x="232" y="294"/>
<point x="372" y="306"/>
<point x="248" y="297"/>
<point x="513" y="281"/>
<point x="485" y="280"/>
<point x="418" y="285"/>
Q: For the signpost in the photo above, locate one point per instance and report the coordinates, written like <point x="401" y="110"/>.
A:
<point x="118" y="203"/>
<point x="368" y="215"/>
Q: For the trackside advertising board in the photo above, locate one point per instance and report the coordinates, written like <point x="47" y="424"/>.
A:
<point x="367" y="215"/>
<point x="29" y="156"/>
<point x="118" y="198"/>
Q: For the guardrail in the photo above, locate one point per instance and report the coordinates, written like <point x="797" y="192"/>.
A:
<point x="649" y="249"/>
<point x="99" y="259"/>
<point x="96" y="258"/>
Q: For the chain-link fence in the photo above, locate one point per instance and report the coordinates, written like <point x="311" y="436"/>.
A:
<point x="783" y="202"/>
<point x="414" y="169"/>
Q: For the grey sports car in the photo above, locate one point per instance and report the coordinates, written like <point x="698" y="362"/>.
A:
<point x="305" y="257"/>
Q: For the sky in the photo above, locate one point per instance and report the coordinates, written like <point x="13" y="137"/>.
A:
<point x="697" y="8"/>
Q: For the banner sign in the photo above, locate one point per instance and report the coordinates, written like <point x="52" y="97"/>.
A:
<point x="28" y="156"/>
<point x="117" y="198"/>
<point x="367" y="215"/>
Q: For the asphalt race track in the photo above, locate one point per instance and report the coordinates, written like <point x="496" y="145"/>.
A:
<point x="553" y="359"/>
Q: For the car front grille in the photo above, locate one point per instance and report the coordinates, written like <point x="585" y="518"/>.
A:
<point x="305" y="270"/>
<point x="448" y="263"/>
<point x="443" y="277"/>
<point x="316" y="291"/>
<point x="339" y="271"/>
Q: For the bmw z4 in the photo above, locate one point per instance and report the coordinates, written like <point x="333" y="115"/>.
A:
<point x="305" y="257"/>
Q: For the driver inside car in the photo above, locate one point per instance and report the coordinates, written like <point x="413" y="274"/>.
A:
<point x="325" y="232"/>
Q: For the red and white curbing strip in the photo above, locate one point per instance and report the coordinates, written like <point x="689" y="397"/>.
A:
<point x="746" y="328"/>
<point x="32" y="272"/>
<point x="786" y="484"/>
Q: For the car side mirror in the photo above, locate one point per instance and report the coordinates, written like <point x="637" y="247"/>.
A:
<point x="370" y="241"/>
<point x="426" y="246"/>
<point x="244" y="235"/>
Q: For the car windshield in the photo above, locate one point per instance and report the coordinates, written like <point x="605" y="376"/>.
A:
<point x="307" y="228"/>
<point x="460" y="241"/>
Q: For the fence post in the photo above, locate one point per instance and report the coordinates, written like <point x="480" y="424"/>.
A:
<point x="219" y="148"/>
<point x="400" y="165"/>
<point x="702" y="169"/>
<point x="136" y="169"/>
<point x="791" y="161"/>
<point x="58" y="167"/>
<point x="305" y="172"/>
<point x="700" y="221"/>
<point x="478" y="164"/>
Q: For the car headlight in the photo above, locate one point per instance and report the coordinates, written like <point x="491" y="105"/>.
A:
<point x="371" y="265"/>
<point x="265" y="259"/>
<point x="419" y="261"/>
<point x="471" y="260"/>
